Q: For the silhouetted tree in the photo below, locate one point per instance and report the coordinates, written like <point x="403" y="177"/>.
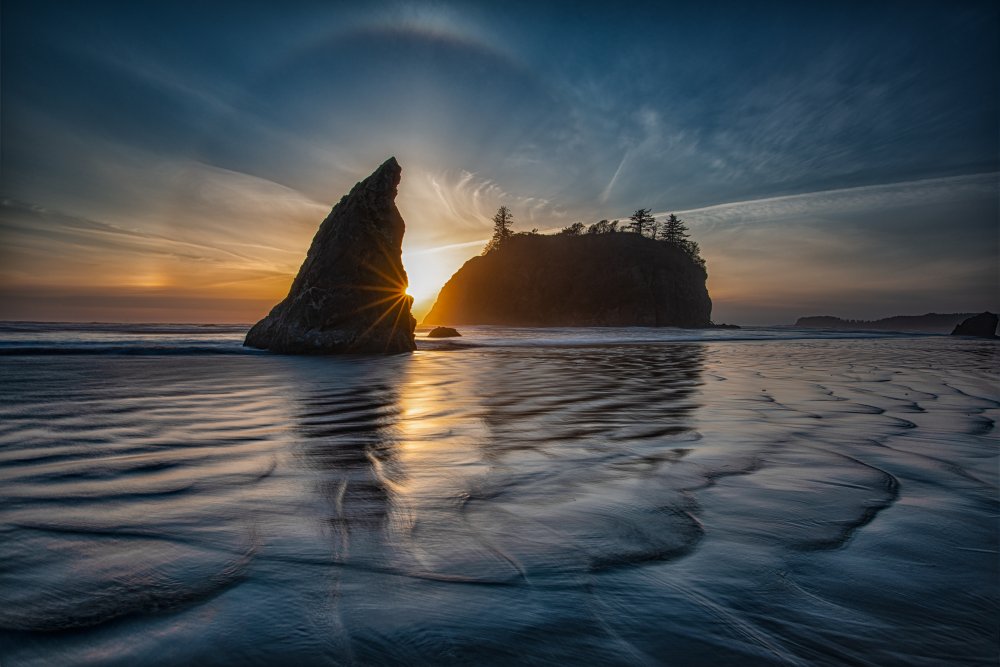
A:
<point x="641" y="221"/>
<point x="502" y="223"/>
<point x="599" y="227"/>
<point x="693" y="251"/>
<point x="673" y="230"/>
<point x="573" y="230"/>
<point x="603" y="227"/>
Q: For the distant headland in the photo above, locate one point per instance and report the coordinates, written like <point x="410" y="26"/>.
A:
<point x="929" y="322"/>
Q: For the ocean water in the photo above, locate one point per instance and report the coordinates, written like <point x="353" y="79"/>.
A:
<point x="547" y="497"/>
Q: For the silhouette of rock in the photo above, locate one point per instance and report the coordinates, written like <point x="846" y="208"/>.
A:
<point x="931" y="322"/>
<point x="443" y="332"/>
<point x="983" y="325"/>
<point x="588" y="280"/>
<point x="349" y="295"/>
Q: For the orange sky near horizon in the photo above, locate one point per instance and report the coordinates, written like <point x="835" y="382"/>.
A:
<point x="180" y="261"/>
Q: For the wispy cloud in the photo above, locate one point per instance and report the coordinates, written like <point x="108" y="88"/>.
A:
<point x="853" y="252"/>
<point x="849" y="200"/>
<point x="614" y="179"/>
<point x="200" y="229"/>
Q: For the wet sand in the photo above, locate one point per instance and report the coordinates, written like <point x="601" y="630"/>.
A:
<point x="750" y="502"/>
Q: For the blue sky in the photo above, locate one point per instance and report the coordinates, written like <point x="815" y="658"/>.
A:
<point x="171" y="161"/>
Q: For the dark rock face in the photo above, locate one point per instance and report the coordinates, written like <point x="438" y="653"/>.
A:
<point x="349" y="295"/>
<point x="983" y="325"/>
<point x="443" y="332"/>
<point x="591" y="280"/>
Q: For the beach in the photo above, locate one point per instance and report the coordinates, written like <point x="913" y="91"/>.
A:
<point x="601" y="496"/>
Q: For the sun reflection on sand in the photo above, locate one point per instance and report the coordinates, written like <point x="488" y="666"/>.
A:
<point x="435" y="430"/>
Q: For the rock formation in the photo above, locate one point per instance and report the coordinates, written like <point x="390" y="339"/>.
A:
<point x="443" y="332"/>
<point x="618" y="279"/>
<point x="983" y="325"/>
<point x="350" y="294"/>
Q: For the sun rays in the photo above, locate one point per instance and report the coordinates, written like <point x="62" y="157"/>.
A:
<point x="396" y="302"/>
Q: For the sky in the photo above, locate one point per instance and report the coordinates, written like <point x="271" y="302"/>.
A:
<point x="170" y="161"/>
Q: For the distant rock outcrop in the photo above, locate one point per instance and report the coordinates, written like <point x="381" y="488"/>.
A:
<point x="620" y="279"/>
<point x="983" y="325"/>
<point x="443" y="332"/>
<point x="350" y="294"/>
<point x="931" y="322"/>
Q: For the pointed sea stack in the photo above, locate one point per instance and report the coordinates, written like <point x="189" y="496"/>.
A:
<point x="350" y="294"/>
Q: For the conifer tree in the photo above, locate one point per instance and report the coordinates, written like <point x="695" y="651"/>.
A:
<point x="603" y="227"/>
<point x="641" y="221"/>
<point x="674" y="230"/>
<point x="502" y="222"/>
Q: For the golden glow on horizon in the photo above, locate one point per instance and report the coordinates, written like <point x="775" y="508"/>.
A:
<point x="181" y="262"/>
<point x="149" y="280"/>
<point x="428" y="271"/>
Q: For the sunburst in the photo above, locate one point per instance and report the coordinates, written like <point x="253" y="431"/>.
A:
<point x="396" y="300"/>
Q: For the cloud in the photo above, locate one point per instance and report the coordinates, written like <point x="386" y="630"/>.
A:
<point x="847" y="200"/>
<point x="199" y="229"/>
<point x="449" y="219"/>
<point x="456" y="206"/>
<point x="869" y="251"/>
<point x="614" y="178"/>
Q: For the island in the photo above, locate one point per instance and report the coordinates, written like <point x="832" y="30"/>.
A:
<point x="606" y="277"/>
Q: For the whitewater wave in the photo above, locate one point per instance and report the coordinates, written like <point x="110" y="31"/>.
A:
<point x="57" y="339"/>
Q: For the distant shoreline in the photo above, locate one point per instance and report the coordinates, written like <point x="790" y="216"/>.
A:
<point x="928" y="322"/>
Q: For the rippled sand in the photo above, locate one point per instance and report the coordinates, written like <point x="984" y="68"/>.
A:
<point x="787" y="502"/>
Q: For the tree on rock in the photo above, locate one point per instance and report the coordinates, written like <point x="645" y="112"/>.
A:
<point x="502" y="223"/>
<point x="641" y="221"/>
<point x="673" y="230"/>
<point x="603" y="227"/>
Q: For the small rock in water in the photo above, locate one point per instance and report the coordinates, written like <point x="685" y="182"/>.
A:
<point x="983" y="325"/>
<point x="443" y="332"/>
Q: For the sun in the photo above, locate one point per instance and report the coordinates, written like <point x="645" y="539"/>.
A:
<point x="425" y="276"/>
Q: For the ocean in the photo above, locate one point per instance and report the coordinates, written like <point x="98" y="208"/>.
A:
<point x="516" y="496"/>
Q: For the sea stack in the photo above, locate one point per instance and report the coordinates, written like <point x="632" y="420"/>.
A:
<point x="619" y="280"/>
<point x="983" y="325"/>
<point x="350" y="293"/>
